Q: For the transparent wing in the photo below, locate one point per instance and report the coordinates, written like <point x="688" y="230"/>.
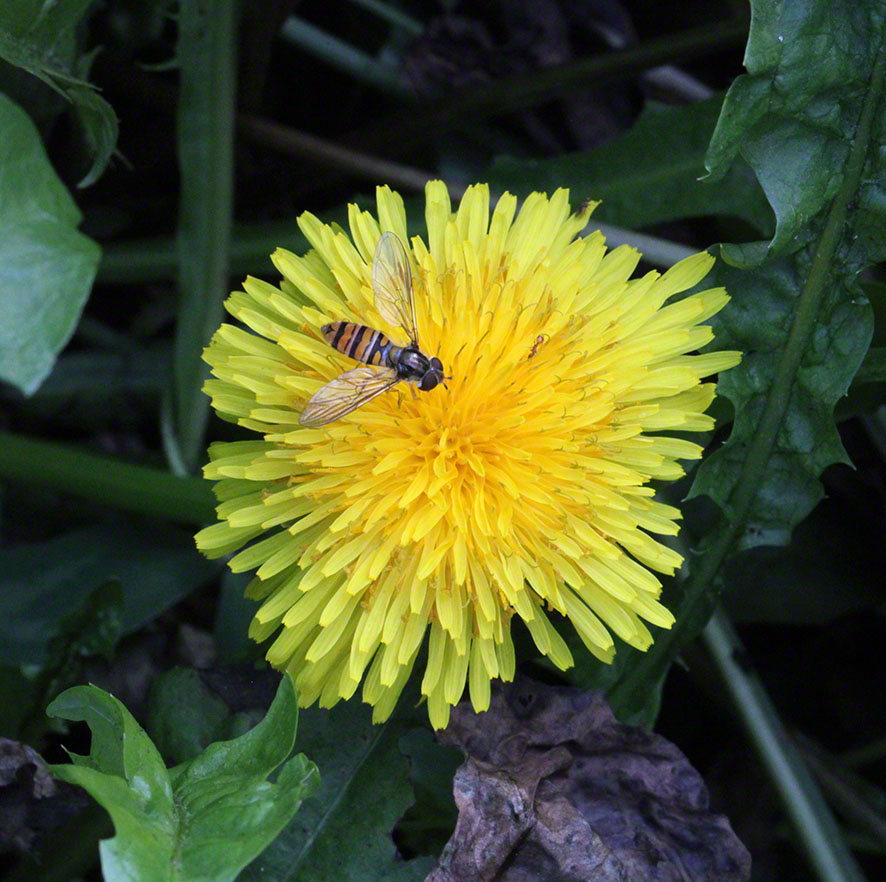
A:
<point x="345" y="393"/>
<point x="392" y="284"/>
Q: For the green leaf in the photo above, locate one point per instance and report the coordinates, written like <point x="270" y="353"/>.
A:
<point x="46" y="266"/>
<point x="648" y="175"/>
<point x="809" y="117"/>
<point x="42" y="582"/>
<point x="800" y="315"/>
<point x="791" y="116"/>
<point x="873" y="368"/>
<point x="344" y="831"/>
<point x="40" y="37"/>
<point x="100" y="129"/>
<point x="207" y="56"/>
<point x="92" y="629"/>
<point x="807" y="440"/>
<point x="185" y="715"/>
<point x="201" y="821"/>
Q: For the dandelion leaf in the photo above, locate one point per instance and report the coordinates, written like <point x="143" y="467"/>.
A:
<point x="344" y="831"/>
<point x="647" y="175"/>
<point x="41" y="38"/>
<point x="809" y="119"/>
<point x="200" y="821"/>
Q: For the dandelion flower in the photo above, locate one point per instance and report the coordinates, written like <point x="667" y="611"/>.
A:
<point x="521" y="489"/>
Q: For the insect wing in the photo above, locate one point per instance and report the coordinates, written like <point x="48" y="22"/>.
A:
<point x="392" y="284"/>
<point x="345" y="393"/>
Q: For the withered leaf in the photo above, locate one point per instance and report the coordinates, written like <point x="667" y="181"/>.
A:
<point x="554" y="788"/>
<point x="23" y="779"/>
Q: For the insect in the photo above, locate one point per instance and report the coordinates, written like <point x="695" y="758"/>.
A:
<point x="541" y="338"/>
<point x="395" y="301"/>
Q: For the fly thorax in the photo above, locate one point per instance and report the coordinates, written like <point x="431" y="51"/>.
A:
<point x="412" y="365"/>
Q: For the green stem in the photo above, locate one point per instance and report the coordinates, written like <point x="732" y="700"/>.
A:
<point x="511" y="94"/>
<point x="207" y="55"/>
<point x="392" y="15"/>
<point x="812" y="819"/>
<point x="629" y="693"/>
<point x="342" y="56"/>
<point x="135" y="488"/>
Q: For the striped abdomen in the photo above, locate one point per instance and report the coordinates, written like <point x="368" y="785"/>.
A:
<point x="360" y="342"/>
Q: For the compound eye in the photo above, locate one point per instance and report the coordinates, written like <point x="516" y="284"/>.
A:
<point x="429" y="381"/>
<point x="437" y="365"/>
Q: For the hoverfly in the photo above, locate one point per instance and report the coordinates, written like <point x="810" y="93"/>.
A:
<point x="395" y="302"/>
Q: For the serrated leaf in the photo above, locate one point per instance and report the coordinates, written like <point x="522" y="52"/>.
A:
<point x="40" y="583"/>
<point x="46" y="266"/>
<point x="344" y="831"/>
<point x="201" y="821"/>
<point x="648" y="175"/>
<point x="807" y="440"/>
<point x="805" y="104"/>
<point x="40" y="37"/>
<point x="809" y="67"/>
<point x="800" y="315"/>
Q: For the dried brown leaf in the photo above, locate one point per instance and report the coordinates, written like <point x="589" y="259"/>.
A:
<point x="554" y="788"/>
<point x="24" y="778"/>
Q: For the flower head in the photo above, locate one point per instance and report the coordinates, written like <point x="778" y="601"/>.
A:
<point x="520" y="489"/>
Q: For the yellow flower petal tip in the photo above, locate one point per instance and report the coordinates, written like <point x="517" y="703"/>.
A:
<point x="514" y="482"/>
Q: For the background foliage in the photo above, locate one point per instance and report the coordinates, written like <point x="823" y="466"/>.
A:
<point x="151" y="153"/>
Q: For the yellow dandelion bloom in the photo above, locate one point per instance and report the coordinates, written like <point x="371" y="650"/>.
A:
<point x="522" y="487"/>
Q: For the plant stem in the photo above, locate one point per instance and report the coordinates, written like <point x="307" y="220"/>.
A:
<point x="108" y="481"/>
<point x="342" y="56"/>
<point x="812" y="819"/>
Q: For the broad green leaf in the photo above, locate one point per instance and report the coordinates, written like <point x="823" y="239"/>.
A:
<point x="792" y="116"/>
<point x="92" y="629"/>
<point x="185" y="716"/>
<point x="201" y="821"/>
<point x="46" y="265"/>
<point x="807" y="441"/>
<point x="648" y="175"/>
<point x="810" y="107"/>
<point x="343" y="833"/>
<point x="40" y="37"/>
<point x="798" y="311"/>
<point x="42" y="582"/>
